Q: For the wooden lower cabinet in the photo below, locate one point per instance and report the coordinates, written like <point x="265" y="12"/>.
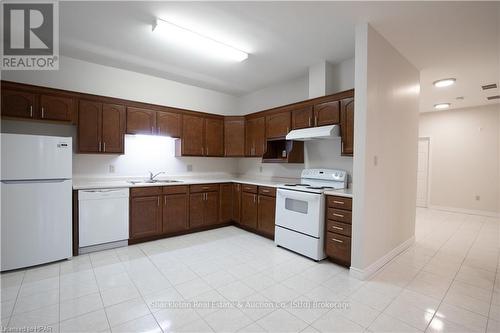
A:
<point x="266" y="215"/>
<point x="175" y="212"/>
<point x="237" y="203"/>
<point x="338" y="229"/>
<point x="203" y="206"/>
<point x="249" y="210"/>
<point x="145" y="216"/>
<point x="226" y="202"/>
<point x="196" y="209"/>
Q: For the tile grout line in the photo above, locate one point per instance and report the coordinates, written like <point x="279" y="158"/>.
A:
<point x="493" y="293"/>
<point x="99" y="290"/>
<point x="17" y="297"/>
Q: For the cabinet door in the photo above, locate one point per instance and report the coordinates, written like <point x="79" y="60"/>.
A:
<point x="214" y="137"/>
<point x="175" y="212"/>
<point x="141" y="121"/>
<point x="267" y="207"/>
<point x="327" y="113"/>
<point x="226" y="202"/>
<point x="236" y="202"/>
<point x="255" y="136"/>
<point x="145" y="216"/>
<point x="113" y="128"/>
<point x="89" y="126"/>
<point x="347" y="126"/>
<point x="211" y="208"/>
<point x="302" y="118"/>
<point x="18" y="104"/>
<point x="249" y="210"/>
<point x="278" y="125"/>
<point x="234" y="137"/>
<point x="192" y="135"/>
<point x="57" y="108"/>
<point x="169" y="124"/>
<point x="196" y="209"/>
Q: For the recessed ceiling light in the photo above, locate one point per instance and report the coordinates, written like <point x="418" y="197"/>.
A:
<point x="196" y="41"/>
<point x="444" y="82"/>
<point x="442" y="106"/>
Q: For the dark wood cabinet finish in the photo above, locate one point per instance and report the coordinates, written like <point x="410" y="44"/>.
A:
<point x="175" y="212"/>
<point x="196" y="210"/>
<point x="141" y="121"/>
<point x="211" y="208"/>
<point x="249" y="188"/>
<point x="192" y="136"/>
<point x="266" y="214"/>
<point x="145" y="216"/>
<point x="234" y="136"/>
<point x="327" y="113"/>
<point x="58" y="108"/>
<point x="302" y="118"/>
<point x="226" y="202"/>
<point x="17" y="103"/>
<point x="255" y="137"/>
<point x="339" y="202"/>
<point x="339" y="215"/>
<point x="214" y="137"/>
<point x="347" y="126"/>
<point x="269" y="191"/>
<point x="278" y="125"/>
<point x="169" y="124"/>
<point x="203" y="188"/>
<point x="338" y="229"/>
<point x="145" y="191"/>
<point x="338" y="248"/>
<point x="236" y="202"/>
<point x="89" y="126"/>
<point x="113" y="128"/>
<point x="203" y="205"/>
<point x="249" y="212"/>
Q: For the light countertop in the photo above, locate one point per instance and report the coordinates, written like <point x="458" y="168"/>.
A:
<point x="341" y="193"/>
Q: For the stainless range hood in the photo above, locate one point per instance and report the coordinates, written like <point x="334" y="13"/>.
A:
<point x="315" y="133"/>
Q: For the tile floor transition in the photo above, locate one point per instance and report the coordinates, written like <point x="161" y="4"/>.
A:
<point x="447" y="282"/>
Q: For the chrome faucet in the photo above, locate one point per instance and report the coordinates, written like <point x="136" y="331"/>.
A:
<point x="152" y="177"/>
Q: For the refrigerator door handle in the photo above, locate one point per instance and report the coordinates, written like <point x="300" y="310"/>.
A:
<point x="33" y="181"/>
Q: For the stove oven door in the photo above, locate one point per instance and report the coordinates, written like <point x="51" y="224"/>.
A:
<point x="301" y="211"/>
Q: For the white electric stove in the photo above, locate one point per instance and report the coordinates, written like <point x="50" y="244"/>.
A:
<point x="300" y="211"/>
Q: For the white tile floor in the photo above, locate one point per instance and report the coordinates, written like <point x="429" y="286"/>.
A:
<point x="447" y="281"/>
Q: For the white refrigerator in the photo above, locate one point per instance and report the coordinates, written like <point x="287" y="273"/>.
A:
<point x="36" y="200"/>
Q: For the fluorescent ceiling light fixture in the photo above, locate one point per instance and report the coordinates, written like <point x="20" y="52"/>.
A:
<point x="442" y="106"/>
<point x="196" y="41"/>
<point x="444" y="82"/>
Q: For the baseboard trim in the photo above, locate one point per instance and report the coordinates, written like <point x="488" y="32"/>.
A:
<point x="465" y="211"/>
<point x="363" y="274"/>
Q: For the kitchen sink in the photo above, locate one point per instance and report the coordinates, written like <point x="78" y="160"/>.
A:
<point x="154" y="181"/>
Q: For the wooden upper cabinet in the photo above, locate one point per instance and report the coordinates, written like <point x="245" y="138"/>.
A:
<point x="302" y="118"/>
<point x="175" y="212"/>
<point x="192" y="135"/>
<point x="57" y="108"/>
<point x="327" y="113"/>
<point x="278" y="125"/>
<point x="141" y="121"/>
<point x="234" y="136"/>
<point x="169" y="124"/>
<point x="113" y="128"/>
<point x="18" y="103"/>
<point x="226" y="202"/>
<point x="347" y="126"/>
<point x="214" y="137"/>
<point x="255" y="136"/>
<point x="145" y="216"/>
<point x="89" y="126"/>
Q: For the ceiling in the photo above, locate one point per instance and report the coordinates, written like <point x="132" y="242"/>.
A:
<point x="442" y="39"/>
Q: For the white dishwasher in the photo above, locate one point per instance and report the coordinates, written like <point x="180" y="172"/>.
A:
<point x="102" y="218"/>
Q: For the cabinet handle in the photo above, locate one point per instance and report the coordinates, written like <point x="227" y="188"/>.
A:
<point x="309" y="121"/>
<point x="258" y="200"/>
<point x="43" y="113"/>
<point x="338" y="228"/>
<point x="165" y="200"/>
<point x="206" y="152"/>
<point x="152" y="130"/>
<point x="288" y="129"/>
<point x="31" y="111"/>
<point x="265" y="191"/>
<point x="337" y="240"/>
<point x="316" y="121"/>
<point x="104" y="146"/>
<point x="338" y="215"/>
<point x="338" y="202"/>
<point x="100" y="144"/>
<point x="254" y="198"/>
<point x="158" y="202"/>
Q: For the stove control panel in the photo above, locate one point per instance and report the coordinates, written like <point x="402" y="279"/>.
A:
<point x="325" y="174"/>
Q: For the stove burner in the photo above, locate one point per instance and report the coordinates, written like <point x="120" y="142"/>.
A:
<point x="305" y="185"/>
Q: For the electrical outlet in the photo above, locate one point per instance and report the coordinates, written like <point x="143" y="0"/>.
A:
<point x="478" y="197"/>
<point x="260" y="169"/>
<point x="375" y="160"/>
<point x="189" y="167"/>
<point x="111" y="168"/>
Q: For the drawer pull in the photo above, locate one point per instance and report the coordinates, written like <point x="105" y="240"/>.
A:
<point x="265" y="191"/>
<point x="337" y="240"/>
<point x="338" y="202"/>
<point x="338" y="215"/>
<point x="206" y="187"/>
<point x="338" y="228"/>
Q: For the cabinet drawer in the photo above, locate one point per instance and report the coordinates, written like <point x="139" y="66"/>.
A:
<point x="338" y="228"/>
<point x="338" y="247"/>
<point x="339" y="215"/>
<point x="269" y="191"/>
<point x="339" y="202"/>
<point x="176" y="189"/>
<point x="145" y="191"/>
<point x="249" y="188"/>
<point x="204" y="188"/>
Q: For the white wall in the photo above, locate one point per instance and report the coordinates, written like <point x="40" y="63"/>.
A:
<point x="86" y="77"/>
<point x="385" y="145"/>
<point x="464" y="157"/>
